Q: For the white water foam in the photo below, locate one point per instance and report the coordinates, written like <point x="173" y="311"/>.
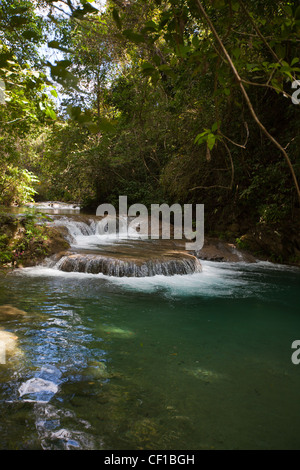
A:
<point x="215" y="280"/>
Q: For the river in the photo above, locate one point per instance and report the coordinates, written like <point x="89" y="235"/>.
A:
<point x="194" y="361"/>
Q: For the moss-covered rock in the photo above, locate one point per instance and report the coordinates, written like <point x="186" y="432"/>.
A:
<point x="26" y="240"/>
<point x="50" y="242"/>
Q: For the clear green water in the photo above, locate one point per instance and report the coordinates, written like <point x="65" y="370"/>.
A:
<point x="186" y="362"/>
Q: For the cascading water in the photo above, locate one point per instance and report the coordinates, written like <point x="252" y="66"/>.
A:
<point x="121" y="254"/>
<point x="109" y="266"/>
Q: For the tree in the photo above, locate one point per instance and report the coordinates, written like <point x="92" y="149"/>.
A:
<point x="25" y="101"/>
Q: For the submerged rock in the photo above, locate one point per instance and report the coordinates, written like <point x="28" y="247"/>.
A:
<point x="205" y="375"/>
<point x="8" y="312"/>
<point x="118" y="332"/>
<point x="8" y="343"/>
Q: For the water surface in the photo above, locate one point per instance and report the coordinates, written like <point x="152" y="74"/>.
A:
<point x="201" y="361"/>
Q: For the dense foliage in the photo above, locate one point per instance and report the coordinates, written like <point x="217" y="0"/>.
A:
<point x="162" y="100"/>
<point x="27" y="238"/>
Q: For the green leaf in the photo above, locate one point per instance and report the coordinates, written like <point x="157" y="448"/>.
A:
<point x="150" y="26"/>
<point x="18" y="21"/>
<point x="288" y="74"/>
<point x="134" y="37"/>
<point x="106" y="125"/>
<point x="196" y="41"/>
<point x="277" y="85"/>
<point x="50" y="113"/>
<point x="148" y="69"/>
<point x="156" y="59"/>
<point x="236" y="52"/>
<point x="165" y="68"/>
<point x="30" y="34"/>
<point x="147" y="65"/>
<point x="235" y="6"/>
<point x="63" y="63"/>
<point x="215" y="126"/>
<point x="288" y="10"/>
<point x="92" y="127"/>
<point x="211" y="140"/>
<point x="54" y="44"/>
<point x="219" y="3"/>
<point x="74" y="112"/>
<point x="201" y="137"/>
<point x="198" y="138"/>
<point x="183" y="50"/>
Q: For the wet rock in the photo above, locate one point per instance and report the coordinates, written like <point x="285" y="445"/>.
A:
<point x="168" y="265"/>
<point x="217" y="250"/>
<point x="56" y="240"/>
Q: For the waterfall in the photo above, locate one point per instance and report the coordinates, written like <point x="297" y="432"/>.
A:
<point x="81" y="229"/>
<point x="110" y="266"/>
<point x="118" y="254"/>
<point x="76" y="228"/>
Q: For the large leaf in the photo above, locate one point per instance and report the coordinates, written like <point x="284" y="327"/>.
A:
<point x="18" y="21"/>
<point x="134" y="37"/>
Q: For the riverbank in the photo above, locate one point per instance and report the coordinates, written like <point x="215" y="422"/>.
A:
<point x="273" y="243"/>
